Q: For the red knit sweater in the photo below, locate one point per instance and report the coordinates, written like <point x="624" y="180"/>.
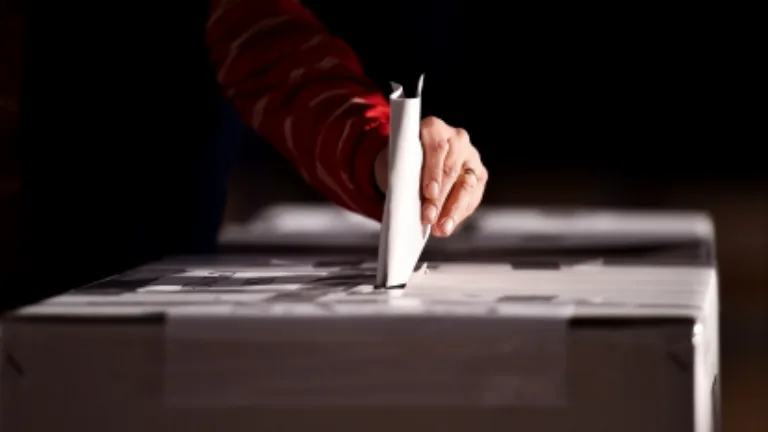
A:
<point x="304" y="91"/>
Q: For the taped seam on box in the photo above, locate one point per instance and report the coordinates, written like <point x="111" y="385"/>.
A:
<point x="272" y="361"/>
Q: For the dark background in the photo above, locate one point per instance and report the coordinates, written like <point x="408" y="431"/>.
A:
<point x="633" y="106"/>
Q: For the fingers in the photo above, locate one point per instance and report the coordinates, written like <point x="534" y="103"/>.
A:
<point x="463" y="200"/>
<point x="456" y="205"/>
<point x="458" y="151"/>
<point x="434" y="139"/>
<point x="477" y="197"/>
<point x="451" y="168"/>
<point x="453" y="177"/>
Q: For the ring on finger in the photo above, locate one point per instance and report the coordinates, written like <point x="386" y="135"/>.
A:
<point x="468" y="171"/>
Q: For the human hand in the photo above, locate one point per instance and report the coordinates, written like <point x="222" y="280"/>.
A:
<point x="453" y="176"/>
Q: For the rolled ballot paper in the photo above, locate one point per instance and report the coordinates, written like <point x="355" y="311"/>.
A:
<point x="403" y="235"/>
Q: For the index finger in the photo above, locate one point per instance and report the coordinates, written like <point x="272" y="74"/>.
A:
<point x="434" y="141"/>
<point x="458" y="204"/>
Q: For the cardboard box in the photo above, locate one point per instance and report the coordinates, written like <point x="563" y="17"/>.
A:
<point x="279" y="343"/>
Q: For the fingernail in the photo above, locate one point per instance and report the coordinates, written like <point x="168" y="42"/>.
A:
<point x="448" y="225"/>
<point x="430" y="213"/>
<point x="432" y="190"/>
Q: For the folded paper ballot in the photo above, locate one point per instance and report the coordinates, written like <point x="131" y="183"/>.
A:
<point x="403" y="235"/>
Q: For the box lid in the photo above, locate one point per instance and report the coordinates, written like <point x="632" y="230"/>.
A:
<point x="294" y="287"/>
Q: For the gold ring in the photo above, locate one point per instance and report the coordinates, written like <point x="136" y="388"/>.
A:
<point x="470" y="171"/>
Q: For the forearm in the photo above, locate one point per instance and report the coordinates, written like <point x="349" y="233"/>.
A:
<point x="305" y="92"/>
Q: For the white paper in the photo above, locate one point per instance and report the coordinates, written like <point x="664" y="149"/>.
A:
<point x="403" y="235"/>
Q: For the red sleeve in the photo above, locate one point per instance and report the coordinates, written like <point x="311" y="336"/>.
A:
<point x="304" y="91"/>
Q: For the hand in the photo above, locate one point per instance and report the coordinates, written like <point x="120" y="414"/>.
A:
<point x="453" y="177"/>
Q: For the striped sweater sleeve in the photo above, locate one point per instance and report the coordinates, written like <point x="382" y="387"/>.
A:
<point x="305" y="92"/>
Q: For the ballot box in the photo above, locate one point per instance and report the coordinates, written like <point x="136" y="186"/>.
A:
<point x="282" y="343"/>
